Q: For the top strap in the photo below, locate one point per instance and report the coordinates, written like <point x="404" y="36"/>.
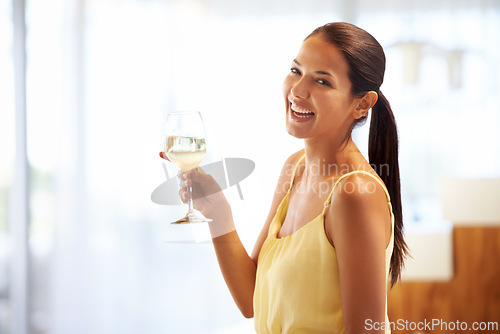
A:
<point x="329" y="199"/>
<point x="295" y="170"/>
<point x="327" y="202"/>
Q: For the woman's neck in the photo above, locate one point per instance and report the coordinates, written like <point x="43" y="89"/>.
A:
<point x="324" y="159"/>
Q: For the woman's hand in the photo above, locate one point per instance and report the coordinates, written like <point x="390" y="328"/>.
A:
<point x="208" y="198"/>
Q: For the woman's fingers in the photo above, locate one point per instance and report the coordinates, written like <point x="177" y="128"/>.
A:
<point x="203" y="184"/>
<point x="200" y="171"/>
<point x="183" y="195"/>
<point x="203" y="189"/>
<point x="186" y="183"/>
<point x="163" y="156"/>
<point x="205" y="181"/>
<point x="195" y="174"/>
<point x="198" y="175"/>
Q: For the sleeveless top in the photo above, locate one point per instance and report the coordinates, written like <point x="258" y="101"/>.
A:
<point x="297" y="288"/>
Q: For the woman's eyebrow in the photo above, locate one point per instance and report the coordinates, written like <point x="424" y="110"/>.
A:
<point x="323" y="73"/>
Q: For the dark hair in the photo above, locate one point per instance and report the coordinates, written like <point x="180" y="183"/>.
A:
<point x="366" y="60"/>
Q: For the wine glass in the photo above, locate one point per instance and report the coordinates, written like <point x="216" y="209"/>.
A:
<point x="185" y="146"/>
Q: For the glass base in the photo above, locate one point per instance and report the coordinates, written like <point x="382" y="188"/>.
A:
<point x="193" y="217"/>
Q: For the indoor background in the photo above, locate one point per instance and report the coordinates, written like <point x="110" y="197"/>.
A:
<point x="85" y="86"/>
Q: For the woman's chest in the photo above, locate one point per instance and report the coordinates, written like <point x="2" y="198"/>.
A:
<point x="302" y="209"/>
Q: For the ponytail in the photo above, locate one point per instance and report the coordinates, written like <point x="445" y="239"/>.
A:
<point x="366" y="59"/>
<point x="383" y="156"/>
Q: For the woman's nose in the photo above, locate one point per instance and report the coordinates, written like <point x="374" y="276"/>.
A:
<point x="300" y="90"/>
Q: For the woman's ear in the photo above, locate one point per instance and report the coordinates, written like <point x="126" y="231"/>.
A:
<point x="364" y="104"/>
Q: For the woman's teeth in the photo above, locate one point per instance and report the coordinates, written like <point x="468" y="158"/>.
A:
<point x="301" y="113"/>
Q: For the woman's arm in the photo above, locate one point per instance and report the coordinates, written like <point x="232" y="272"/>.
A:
<point x="359" y="224"/>
<point x="237" y="267"/>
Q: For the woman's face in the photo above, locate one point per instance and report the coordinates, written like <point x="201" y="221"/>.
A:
<point x="317" y="92"/>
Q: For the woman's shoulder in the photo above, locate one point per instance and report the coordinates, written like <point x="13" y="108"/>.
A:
<point x="294" y="158"/>
<point x="291" y="162"/>
<point x="360" y="189"/>
<point x="359" y="183"/>
<point x="288" y="169"/>
<point x="359" y="202"/>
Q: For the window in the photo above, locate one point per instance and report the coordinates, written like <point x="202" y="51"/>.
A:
<point x="101" y="76"/>
<point x="7" y="161"/>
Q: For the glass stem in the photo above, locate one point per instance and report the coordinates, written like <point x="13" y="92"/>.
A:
<point x="190" y="199"/>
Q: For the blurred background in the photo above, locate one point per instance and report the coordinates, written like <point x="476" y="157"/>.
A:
<point x="85" y="86"/>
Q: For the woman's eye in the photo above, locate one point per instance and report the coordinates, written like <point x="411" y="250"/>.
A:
<point x="295" y="70"/>
<point x="324" y="82"/>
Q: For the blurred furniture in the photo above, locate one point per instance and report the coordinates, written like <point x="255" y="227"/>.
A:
<point x="473" y="292"/>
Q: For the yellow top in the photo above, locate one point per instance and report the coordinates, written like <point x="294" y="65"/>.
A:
<point x="297" y="288"/>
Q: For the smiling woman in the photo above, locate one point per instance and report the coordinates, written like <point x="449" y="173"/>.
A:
<point x="101" y="76"/>
<point x="322" y="261"/>
<point x="318" y="81"/>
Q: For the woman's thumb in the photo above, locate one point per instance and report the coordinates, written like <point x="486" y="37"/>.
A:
<point x="164" y="156"/>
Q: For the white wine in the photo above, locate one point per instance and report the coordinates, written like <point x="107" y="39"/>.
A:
<point x="185" y="152"/>
<point x="185" y="146"/>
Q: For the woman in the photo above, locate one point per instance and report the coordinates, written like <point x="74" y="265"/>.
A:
<point x="334" y="232"/>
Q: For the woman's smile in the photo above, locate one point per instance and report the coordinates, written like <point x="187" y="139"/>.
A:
<point x="299" y="113"/>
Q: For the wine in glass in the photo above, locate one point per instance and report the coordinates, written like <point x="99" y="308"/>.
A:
<point x="185" y="146"/>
